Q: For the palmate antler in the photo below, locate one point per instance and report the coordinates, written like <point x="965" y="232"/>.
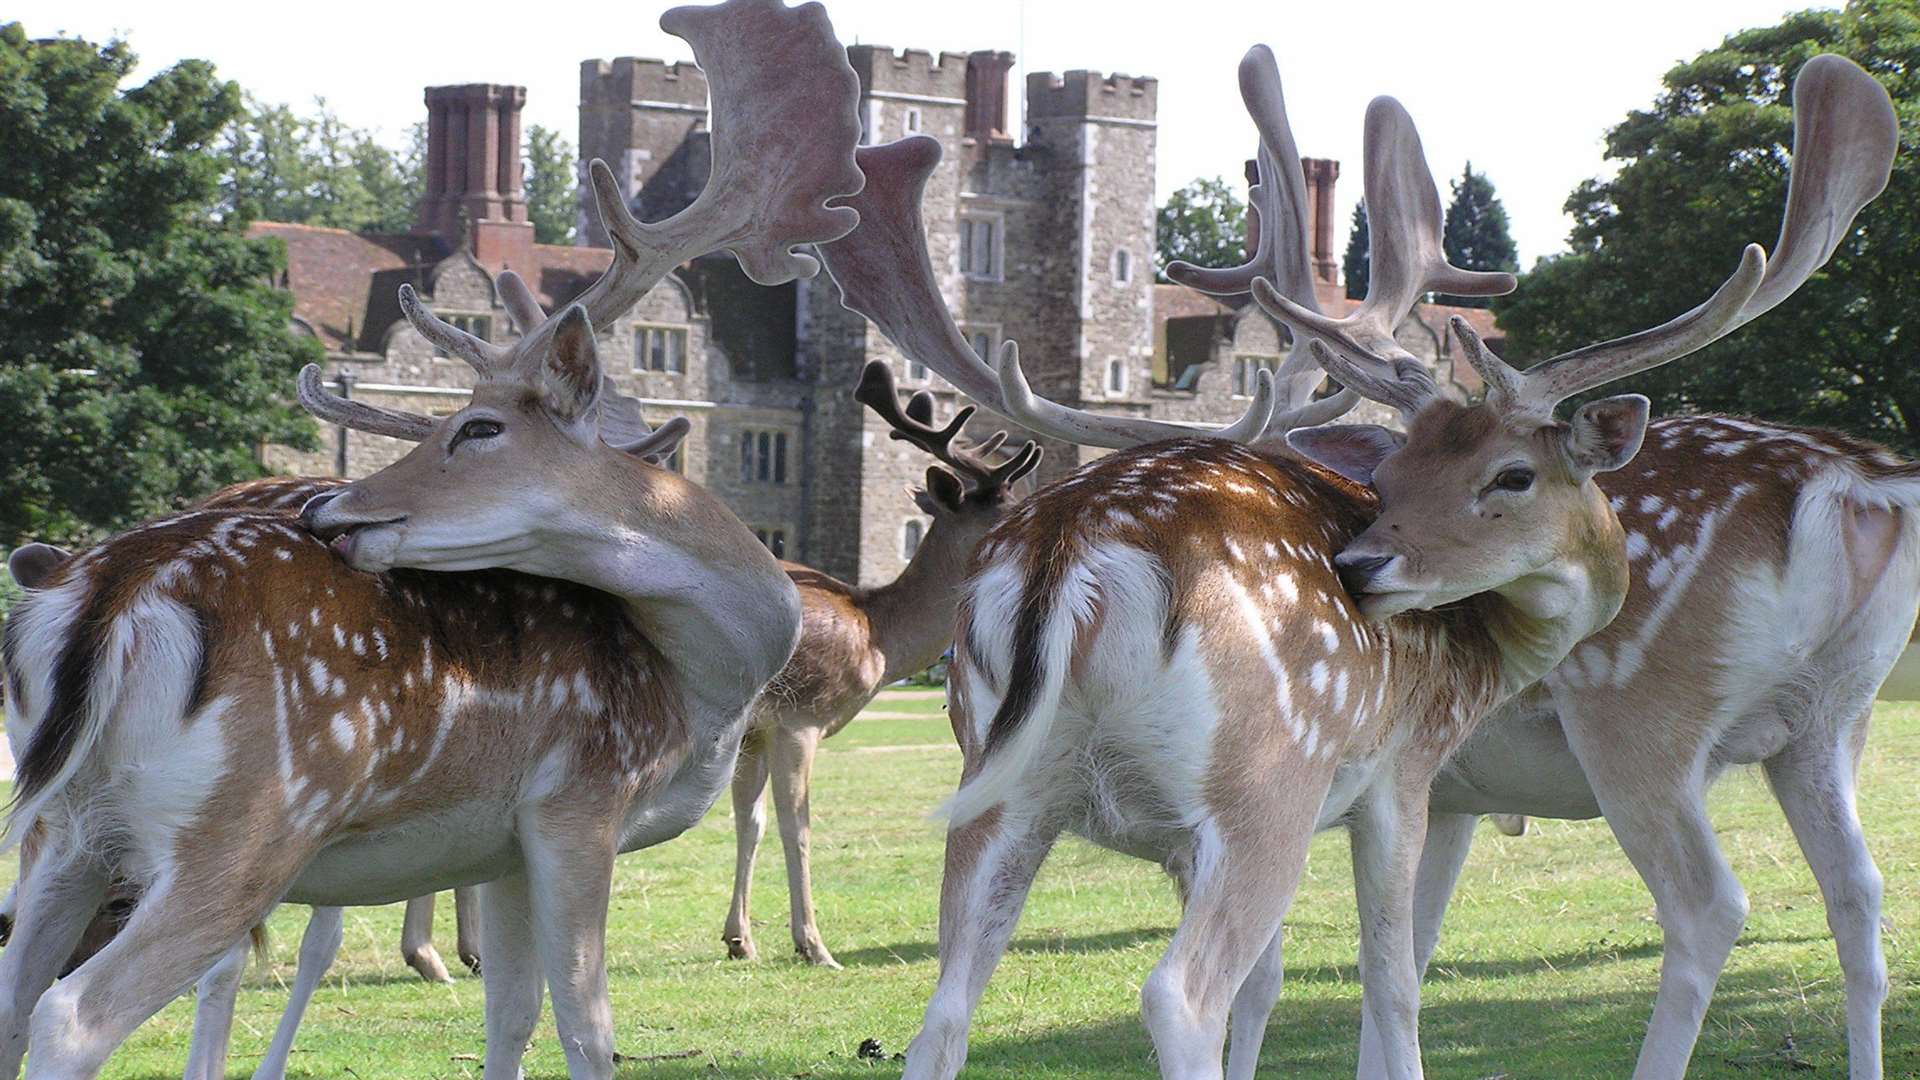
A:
<point x="1403" y="220"/>
<point x="972" y="461"/>
<point x="885" y="274"/>
<point x="1845" y="136"/>
<point x="785" y="123"/>
<point x="1277" y="219"/>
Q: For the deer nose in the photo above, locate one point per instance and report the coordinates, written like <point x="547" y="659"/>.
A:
<point x="1358" y="571"/>
<point x="309" y="513"/>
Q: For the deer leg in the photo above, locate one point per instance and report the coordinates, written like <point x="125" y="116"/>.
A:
<point x="183" y="924"/>
<point x="55" y="902"/>
<point x="990" y="864"/>
<point x="1657" y="811"/>
<point x="1243" y="874"/>
<point x="569" y="856"/>
<point x="214" y="999"/>
<point x="1815" y="786"/>
<point x="416" y="940"/>
<point x="1252" y="1006"/>
<point x="1386" y="836"/>
<point x="318" y="946"/>
<point x="511" y="977"/>
<point x="793" y="750"/>
<point x="1449" y="839"/>
<point x="466" y="926"/>
<point x="749" y="824"/>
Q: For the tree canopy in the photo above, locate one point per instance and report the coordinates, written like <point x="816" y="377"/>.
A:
<point x="1704" y="172"/>
<point x="317" y="170"/>
<point x="144" y="352"/>
<point x="550" y="182"/>
<point x="1476" y="237"/>
<point x="1204" y="223"/>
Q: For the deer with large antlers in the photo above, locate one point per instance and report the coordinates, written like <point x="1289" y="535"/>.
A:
<point x="854" y="641"/>
<point x="215" y="710"/>
<point x="1757" y="644"/>
<point x="1200" y="651"/>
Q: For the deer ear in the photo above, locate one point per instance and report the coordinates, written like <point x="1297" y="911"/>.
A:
<point x="1352" y="450"/>
<point x="945" y="489"/>
<point x="1605" y="434"/>
<point x="32" y="564"/>
<point x="570" y="377"/>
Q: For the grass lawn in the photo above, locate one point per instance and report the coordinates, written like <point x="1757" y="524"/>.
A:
<point x="1548" y="968"/>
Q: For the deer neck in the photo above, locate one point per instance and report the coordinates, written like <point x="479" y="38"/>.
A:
<point x="911" y="617"/>
<point x="706" y="594"/>
<point x="1534" y="621"/>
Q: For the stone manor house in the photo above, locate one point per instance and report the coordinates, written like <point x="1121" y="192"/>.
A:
<point x="1044" y="234"/>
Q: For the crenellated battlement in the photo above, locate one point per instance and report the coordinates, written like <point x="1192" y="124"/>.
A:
<point x="1079" y="94"/>
<point x="909" y="71"/>
<point x="629" y="79"/>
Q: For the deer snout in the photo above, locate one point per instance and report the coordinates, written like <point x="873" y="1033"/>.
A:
<point x="1357" y="571"/>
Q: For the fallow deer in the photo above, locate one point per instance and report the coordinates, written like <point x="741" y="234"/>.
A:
<point x="1758" y="643"/>
<point x="1165" y="652"/>
<point x="211" y="708"/>
<point x="854" y="641"/>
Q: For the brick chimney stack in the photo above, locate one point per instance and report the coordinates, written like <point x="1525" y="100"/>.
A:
<point x="987" y="95"/>
<point x="1321" y="174"/>
<point x="473" y="170"/>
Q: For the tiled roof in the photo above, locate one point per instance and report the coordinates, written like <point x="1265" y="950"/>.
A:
<point x="345" y="283"/>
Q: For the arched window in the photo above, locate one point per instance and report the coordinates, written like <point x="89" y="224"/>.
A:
<point x="1122" y="266"/>
<point x="1116" y="377"/>
<point x="910" y="536"/>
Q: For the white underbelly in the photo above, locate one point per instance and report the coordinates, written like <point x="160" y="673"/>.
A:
<point x="467" y="845"/>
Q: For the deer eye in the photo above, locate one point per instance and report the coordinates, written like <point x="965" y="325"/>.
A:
<point x="1514" y="479"/>
<point x="476" y="429"/>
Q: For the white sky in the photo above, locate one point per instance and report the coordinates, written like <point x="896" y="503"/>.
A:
<point x="1524" y="89"/>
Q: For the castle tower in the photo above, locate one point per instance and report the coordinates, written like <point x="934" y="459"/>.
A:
<point x="473" y="172"/>
<point x="1098" y="134"/>
<point x="647" y="119"/>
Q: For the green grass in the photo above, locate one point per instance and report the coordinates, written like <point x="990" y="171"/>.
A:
<point x="1547" y="970"/>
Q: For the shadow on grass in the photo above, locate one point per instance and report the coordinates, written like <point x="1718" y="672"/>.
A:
<point x="1443" y="968"/>
<point x="1581" y="1036"/>
<point x="916" y="951"/>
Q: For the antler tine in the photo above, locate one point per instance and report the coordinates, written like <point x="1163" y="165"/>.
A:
<point x="878" y="392"/>
<point x="1277" y="203"/>
<point x="1845" y="135"/>
<point x="1407" y="260"/>
<point x="884" y="273"/>
<point x="358" y="415"/>
<point x="1313" y="413"/>
<point x="785" y="106"/>
<point x="484" y="356"/>
<point x="522" y="307"/>
<point x="973" y="461"/>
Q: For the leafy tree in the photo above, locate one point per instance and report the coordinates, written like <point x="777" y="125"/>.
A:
<point x="1704" y="171"/>
<point x="550" y="185"/>
<point x="143" y="350"/>
<point x="1476" y="235"/>
<point x="317" y="170"/>
<point x="1356" y="264"/>
<point x="1204" y="223"/>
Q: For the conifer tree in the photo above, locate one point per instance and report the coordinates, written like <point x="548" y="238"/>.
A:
<point x="1476" y="236"/>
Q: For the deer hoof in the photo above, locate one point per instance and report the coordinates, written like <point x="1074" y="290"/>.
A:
<point x="742" y="948"/>
<point x="426" y="960"/>
<point x="816" y="954"/>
